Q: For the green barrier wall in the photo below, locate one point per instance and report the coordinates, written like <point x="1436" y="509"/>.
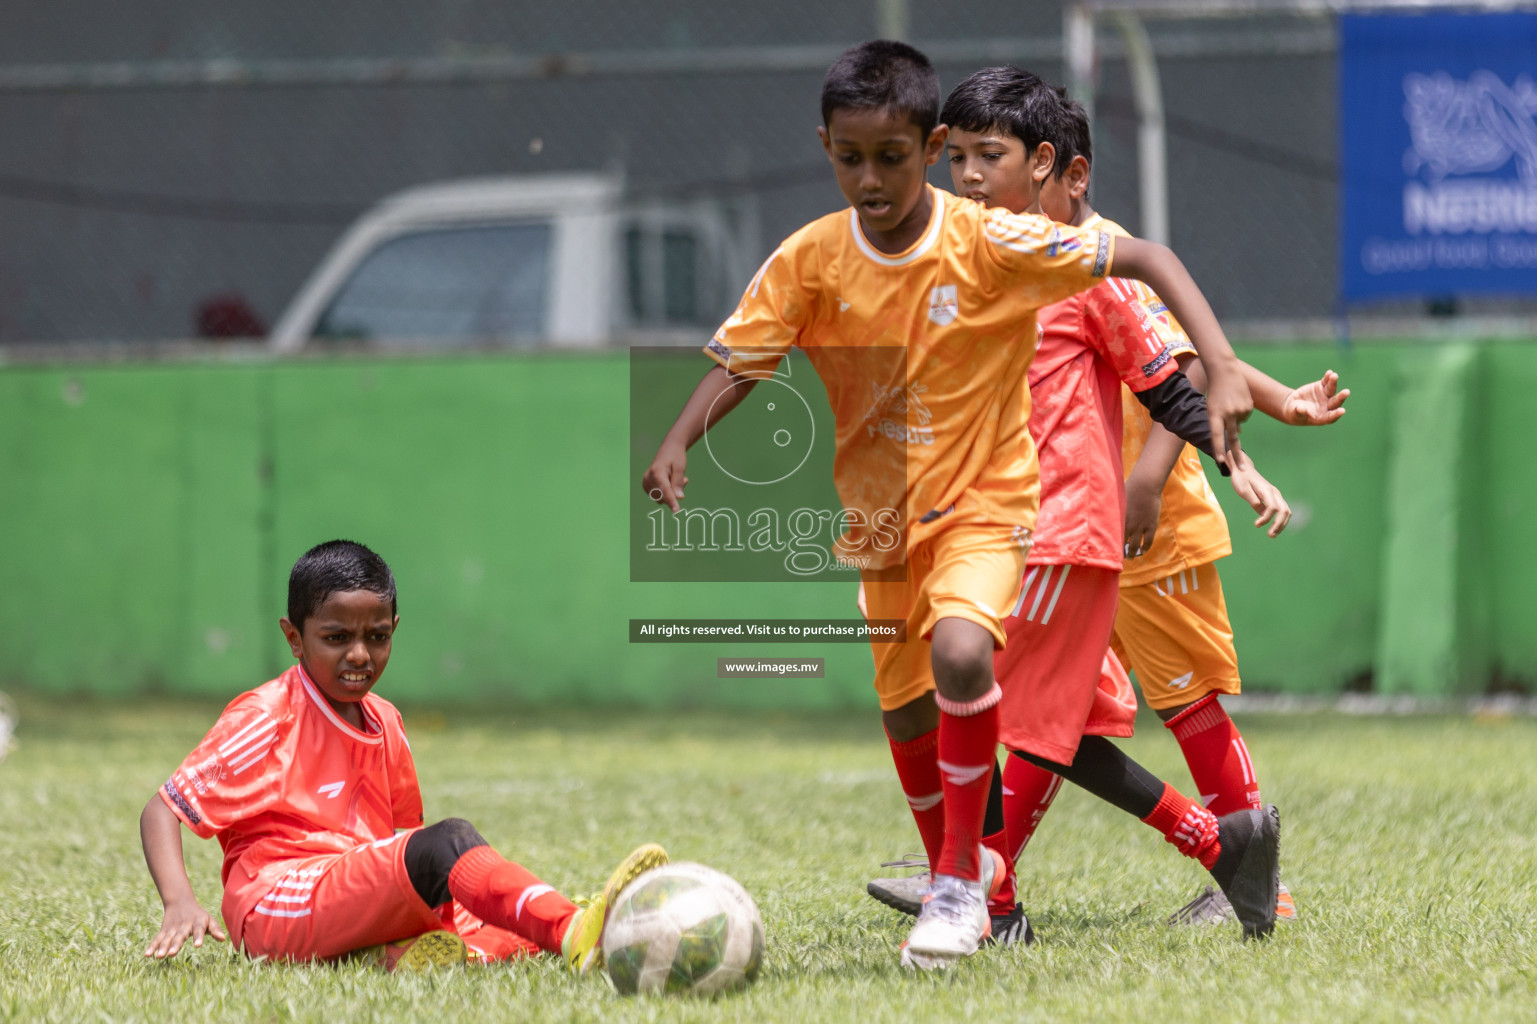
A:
<point x="151" y="513"/>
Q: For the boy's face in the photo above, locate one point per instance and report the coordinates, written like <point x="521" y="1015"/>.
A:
<point x="1060" y="195"/>
<point x="993" y="168"/>
<point x="881" y="160"/>
<point x="345" y="644"/>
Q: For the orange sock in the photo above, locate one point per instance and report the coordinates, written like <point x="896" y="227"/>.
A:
<point x="509" y="896"/>
<point x="1189" y="826"/>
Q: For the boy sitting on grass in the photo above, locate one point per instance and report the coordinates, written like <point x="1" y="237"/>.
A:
<point x="309" y="784"/>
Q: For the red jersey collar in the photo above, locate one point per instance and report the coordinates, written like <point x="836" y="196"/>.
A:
<point x="319" y="700"/>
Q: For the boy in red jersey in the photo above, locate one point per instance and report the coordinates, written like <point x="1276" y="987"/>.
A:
<point x="1061" y="694"/>
<point x="1172" y="626"/>
<point x="956" y="287"/>
<point x="309" y="785"/>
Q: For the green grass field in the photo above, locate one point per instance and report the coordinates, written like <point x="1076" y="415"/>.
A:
<point x="1408" y="842"/>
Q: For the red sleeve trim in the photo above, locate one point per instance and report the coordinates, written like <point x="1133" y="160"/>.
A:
<point x="178" y="803"/>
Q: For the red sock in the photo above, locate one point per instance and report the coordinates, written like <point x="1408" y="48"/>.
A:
<point x="1028" y="791"/>
<point x="1189" y="826"/>
<point x="917" y="764"/>
<point x="1219" y="761"/>
<point x="508" y="896"/>
<point x="1003" y="899"/>
<point x="968" y="746"/>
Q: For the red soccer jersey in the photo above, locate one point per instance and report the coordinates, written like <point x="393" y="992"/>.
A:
<point x="1116" y="331"/>
<point x="280" y="776"/>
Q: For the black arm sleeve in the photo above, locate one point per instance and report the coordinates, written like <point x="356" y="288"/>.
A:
<point x="1181" y="410"/>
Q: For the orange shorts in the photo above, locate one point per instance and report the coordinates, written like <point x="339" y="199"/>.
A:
<point x="327" y="906"/>
<point x="965" y="572"/>
<point x="1175" y="635"/>
<point x="1059" y="682"/>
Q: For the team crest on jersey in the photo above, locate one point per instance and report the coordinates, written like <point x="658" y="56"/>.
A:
<point x="944" y="307"/>
<point x="206" y="774"/>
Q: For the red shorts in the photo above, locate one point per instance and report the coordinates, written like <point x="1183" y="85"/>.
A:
<point x="327" y="906"/>
<point x="1060" y="683"/>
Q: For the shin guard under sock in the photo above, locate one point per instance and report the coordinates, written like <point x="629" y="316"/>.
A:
<point x="1218" y="759"/>
<point x="509" y="896"/>
<point x="968" y="747"/>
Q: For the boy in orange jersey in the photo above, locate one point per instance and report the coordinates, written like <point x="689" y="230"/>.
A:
<point x="955" y="287"/>
<point x="309" y="785"/>
<point x="1061" y="694"/>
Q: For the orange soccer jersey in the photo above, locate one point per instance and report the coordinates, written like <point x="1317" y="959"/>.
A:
<point x="938" y="433"/>
<point x="281" y="777"/>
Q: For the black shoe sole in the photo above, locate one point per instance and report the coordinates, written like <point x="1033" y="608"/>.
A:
<point x="894" y="902"/>
<point x="1001" y="921"/>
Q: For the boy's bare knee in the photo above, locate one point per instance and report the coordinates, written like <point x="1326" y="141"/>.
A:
<point x="962" y="655"/>
<point x="913" y="719"/>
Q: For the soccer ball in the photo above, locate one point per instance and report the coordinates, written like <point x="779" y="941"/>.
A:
<point x="683" y="928"/>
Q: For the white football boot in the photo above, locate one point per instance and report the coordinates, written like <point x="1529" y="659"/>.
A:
<point x="905" y="893"/>
<point x="951" y="925"/>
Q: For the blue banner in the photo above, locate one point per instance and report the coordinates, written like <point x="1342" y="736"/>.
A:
<point x="1438" y="155"/>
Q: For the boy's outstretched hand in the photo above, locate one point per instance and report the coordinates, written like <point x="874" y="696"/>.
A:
<point x="665" y="478"/>
<point x="183" y="921"/>
<point x="1260" y="493"/>
<point x="1317" y="404"/>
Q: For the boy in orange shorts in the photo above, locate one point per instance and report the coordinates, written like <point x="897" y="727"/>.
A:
<point x="309" y="785"/>
<point x="1172" y="625"/>
<point x="940" y="435"/>
<point x="1062" y="695"/>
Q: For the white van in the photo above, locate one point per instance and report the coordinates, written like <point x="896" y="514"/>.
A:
<point x="563" y="260"/>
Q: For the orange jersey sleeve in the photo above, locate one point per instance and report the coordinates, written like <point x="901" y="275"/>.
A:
<point x="230" y="776"/>
<point x="772" y="313"/>
<point x="1041" y="261"/>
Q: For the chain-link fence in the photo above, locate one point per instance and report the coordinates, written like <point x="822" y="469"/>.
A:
<point x="180" y="170"/>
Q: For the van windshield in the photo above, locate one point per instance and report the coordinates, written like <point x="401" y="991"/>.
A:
<point x="456" y="286"/>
